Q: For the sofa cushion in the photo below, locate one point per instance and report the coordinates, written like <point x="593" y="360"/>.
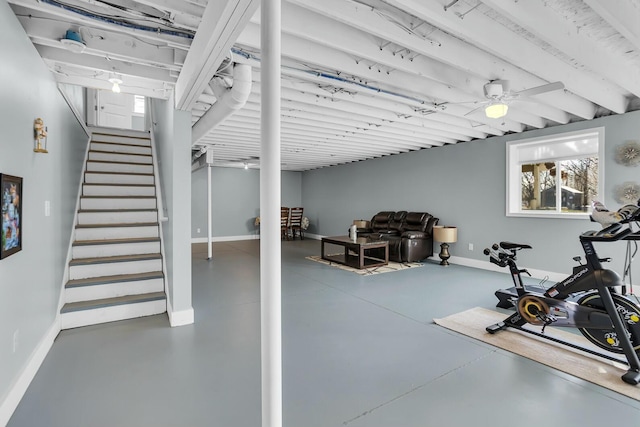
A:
<point x="416" y="221"/>
<point x="380" y="221"/>
<point x="397" y="221"/>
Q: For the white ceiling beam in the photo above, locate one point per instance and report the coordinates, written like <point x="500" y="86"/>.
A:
<point x="64" y="56"/>
<point x="342" y="105"/>
<point x="362" y="108"/>
<point x="564" y="35"/>
<point x="380" y="117"/>
<point x="306" y="130"/>
<point x="489" y="35"/>
<point x="102" y="43"/>
<point x="461" y="128"/>
<point x="446" y="49"/>
<point x="304" y="24"/>
<point x="221" y="23"/>
<point x="300" y="133"/>
<point x="240" y="131"/>
<point x="310" y="146"/>
<point x="76" y="19"/>
<point x="182" y="12"/>
<point x="136" y="88"/>
<point x="249" y="146"/>
<point x="363" y="128"/>
<point x="311" y="53"/>
<point x="455" y="126"/>
<point x="621" y="15"/>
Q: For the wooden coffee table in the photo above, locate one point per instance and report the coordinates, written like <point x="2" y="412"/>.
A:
<point x="358" y="254"/>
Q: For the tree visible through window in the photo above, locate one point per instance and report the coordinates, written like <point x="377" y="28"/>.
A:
<point x="558" y="175"/>
<point x="578" y="183"/>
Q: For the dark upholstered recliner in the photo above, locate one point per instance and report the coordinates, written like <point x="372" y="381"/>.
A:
<point x="410" y="235"/>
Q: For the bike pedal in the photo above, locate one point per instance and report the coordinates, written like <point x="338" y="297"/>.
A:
<point x="496" y="327"/>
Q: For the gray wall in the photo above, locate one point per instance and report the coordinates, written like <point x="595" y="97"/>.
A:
<point x="31" y="280"/>
<point x="235" y="200"/>
<point x="464" y="185"/>
<point x="172" y="131"/>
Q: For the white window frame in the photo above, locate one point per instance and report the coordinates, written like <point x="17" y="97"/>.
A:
<point x="564" y="146"/>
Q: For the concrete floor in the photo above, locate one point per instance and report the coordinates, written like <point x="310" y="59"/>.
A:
<point x="357" y="351"/>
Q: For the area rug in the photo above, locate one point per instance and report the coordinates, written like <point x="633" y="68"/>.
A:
<point x="599" y="371"/>
<point x="389" y="268"/>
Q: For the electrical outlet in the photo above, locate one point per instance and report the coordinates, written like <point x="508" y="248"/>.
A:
<point x="47" y="208"/>
<point x="198" y="230"/>
<point x="15" y="340"/>
<point x="470" y="246"/>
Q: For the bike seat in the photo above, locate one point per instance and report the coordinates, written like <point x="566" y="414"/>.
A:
<point x="516" y="246"/>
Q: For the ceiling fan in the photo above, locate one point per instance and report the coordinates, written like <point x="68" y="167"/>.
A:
<point x="499" y="96"/>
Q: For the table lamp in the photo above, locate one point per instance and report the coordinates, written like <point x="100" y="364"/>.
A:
<point x="445" y="235"/>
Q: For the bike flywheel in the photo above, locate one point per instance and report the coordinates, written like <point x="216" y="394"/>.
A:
<point x="530" y="307"/>
<point x="607" y="338"/>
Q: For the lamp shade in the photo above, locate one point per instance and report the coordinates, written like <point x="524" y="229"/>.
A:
<point x="497" y="110"/>
<point x="445" y="234"/>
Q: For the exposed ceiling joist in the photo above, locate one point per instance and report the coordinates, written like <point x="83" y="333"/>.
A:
<point x="361" y="79"/>
<point x="224" y="20"/>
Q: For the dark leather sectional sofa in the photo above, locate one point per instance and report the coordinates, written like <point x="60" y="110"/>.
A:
<point x="410" y="234"/>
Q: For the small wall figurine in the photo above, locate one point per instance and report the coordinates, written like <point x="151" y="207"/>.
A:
<point x="40" y="134"/>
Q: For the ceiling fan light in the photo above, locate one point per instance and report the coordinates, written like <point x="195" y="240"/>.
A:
<point x="496" y="110"/>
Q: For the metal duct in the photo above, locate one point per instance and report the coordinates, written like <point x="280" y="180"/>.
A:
<point x="229" y="100"/>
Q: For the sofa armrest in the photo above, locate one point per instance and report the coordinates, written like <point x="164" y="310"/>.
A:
<point x="388" y="232"/>
<point x="415" y="235"/>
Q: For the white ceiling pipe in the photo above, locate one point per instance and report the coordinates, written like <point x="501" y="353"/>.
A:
<point x="229" y="100"/>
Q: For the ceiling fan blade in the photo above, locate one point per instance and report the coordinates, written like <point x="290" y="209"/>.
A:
<point x="549" y="87"/>
<point x="474" y="110"/>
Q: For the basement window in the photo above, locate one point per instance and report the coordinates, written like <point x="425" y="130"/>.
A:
<point x="138" y="104"/>
<point x="556" y="176"/>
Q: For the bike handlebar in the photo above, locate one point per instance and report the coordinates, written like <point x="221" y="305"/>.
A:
<point x="607" y="234"/>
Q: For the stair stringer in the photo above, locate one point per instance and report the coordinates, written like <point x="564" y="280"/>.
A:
<point x="72" y="238"/>
<point x="175" y="318"/>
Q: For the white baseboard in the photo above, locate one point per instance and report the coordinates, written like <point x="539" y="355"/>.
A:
<point x="468" y="262"/>
<point x="180" y="318"/>
<point x="226" y="238"/>
<point x="486" y="265"/>
<point x="22" y="381"/>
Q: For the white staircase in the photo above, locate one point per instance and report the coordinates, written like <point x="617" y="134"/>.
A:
<point x="116" y="268"/>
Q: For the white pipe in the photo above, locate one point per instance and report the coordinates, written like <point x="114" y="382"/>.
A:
<point x="270" y="243"/>
<point x="209" y="227"/>
<point x="229" y="100"/>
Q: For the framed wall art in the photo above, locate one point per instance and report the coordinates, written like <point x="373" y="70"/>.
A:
<point x="10" y="197"/>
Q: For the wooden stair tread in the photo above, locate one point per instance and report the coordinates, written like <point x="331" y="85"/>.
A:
<point x="110" y="302"/>
<point x="118" y="163"/>
<point x="124" y="143"/>
<point x="117" y="210"/>
<point x="120" y="153"/>
<point x="103" y="280"/>
<point x="145" y="137"/>
<point x="119" y="224"/>
<point x="118" y="197"/>
<point x="117" y="258"/>
<point x="115" y="241"/>
<point x="120" y="173"/>
<point x="118" y="185"/>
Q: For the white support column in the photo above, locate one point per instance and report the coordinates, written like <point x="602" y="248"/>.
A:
<point x="270" y="243"/>
<point x="209" y="227"/>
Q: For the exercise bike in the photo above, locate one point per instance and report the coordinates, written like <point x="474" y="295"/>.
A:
<point x="606" y="318"/>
